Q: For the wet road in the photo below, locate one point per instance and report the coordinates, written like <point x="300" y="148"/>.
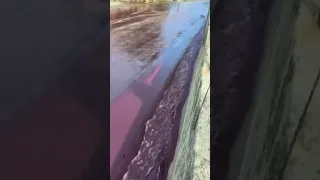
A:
<point x="146" y="43"/>
<point x="146" y="35"/>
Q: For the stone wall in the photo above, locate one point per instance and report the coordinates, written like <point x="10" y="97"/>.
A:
<point x="38" y="40"/>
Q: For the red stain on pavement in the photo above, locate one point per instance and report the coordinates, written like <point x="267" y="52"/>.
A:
<point x="123" y="112"/>
<point x="149" y="80"/>
<point x="128" y="115"/>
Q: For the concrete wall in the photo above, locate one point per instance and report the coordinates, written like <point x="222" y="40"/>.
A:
<point x="38" y="40"/>
<point x="262" y="151"/>
<point x="304" y="162"/>
<point x="192" y="157"/>
<point x="287" y="75"/>
<point x="263" y="144"/>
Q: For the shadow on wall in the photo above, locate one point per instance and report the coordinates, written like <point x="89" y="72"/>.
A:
<point x="304" y="159"/>
<point x="252" y="88"/>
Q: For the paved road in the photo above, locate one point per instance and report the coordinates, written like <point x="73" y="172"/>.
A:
<point x="146" y="43"/>
<point x="144" y="35"/>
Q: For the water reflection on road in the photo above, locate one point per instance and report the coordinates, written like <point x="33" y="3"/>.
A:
<point x="141" y="34"/>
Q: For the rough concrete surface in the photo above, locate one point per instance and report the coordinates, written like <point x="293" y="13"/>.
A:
<point x="202" y="140"/>
<point x="262" y="147"/>
<point x="284" y="81"/>
<point x="252" y="73"/>
<point x="304" y="162"/>
<point x="192" y="156"/>
<point x="238" y="33"/>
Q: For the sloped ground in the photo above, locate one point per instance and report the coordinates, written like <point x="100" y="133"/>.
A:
<point x="192" y="156"/>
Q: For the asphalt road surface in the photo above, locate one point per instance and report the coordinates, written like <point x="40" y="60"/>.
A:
<point x="146" y="35"/>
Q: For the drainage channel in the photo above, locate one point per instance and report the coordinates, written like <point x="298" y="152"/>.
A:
<point x="161" y="132"/>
